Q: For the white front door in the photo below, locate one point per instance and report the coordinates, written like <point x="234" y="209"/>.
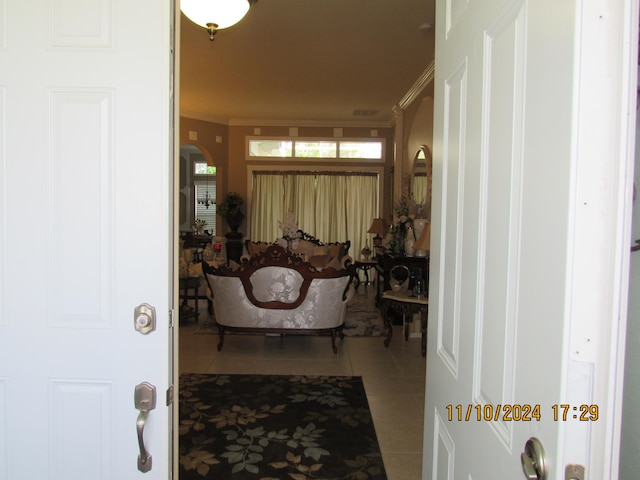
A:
<point x="86" y="210"/>
<point x="529" y="243"/>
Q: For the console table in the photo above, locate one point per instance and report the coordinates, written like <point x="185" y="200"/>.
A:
<point x="406" y="305"/>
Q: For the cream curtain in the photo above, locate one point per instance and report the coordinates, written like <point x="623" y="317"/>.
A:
<point x="331" y="206"/>
<point x="331" y="213"/>
<point x="420" y="188"/>
<point x="301" y="200"/>
<point x="362" y="206"/>
<point x="266" y="212"/>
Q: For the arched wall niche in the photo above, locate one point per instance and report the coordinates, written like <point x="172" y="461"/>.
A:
<point x="417" y="137"/>
<point x="421" y="132"/>
<point x="420" y="187"/>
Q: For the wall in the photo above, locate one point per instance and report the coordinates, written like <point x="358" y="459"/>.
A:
<point x="212" y="139"/>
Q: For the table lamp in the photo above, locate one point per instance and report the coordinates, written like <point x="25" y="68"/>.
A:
<point x="423" y="244"/>
<point x="379" y="227"/>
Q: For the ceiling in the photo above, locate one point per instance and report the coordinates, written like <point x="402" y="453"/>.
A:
<point x="308" y="62"/>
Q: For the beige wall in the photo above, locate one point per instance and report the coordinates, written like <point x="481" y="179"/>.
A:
<point x="207" y="132"/>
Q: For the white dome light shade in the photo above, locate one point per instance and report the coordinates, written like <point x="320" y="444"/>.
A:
<point x="223" y="13"/>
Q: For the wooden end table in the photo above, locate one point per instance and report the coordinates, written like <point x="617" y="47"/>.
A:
<point x="365" y="266"/>
<point x="405" y="304"/>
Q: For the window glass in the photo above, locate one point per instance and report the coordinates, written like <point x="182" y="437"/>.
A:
<point x="205" y="194"/>
<point x="205" y="207"/>
<point x="329" y="149"/>
<point x="270" y="148"/>
<point x="316" y="150"/>
<point x="201" y="168"/>
<point x="360" y="149"/>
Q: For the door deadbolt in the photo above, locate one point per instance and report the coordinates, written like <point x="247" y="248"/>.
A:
<point x="144" y="318"/>
<point x="534" y="461"/>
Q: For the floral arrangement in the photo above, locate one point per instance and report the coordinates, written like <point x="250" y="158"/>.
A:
<point x="405" y="209"/>
<point x="290" y="233"/>
<point x="198" y="225"/>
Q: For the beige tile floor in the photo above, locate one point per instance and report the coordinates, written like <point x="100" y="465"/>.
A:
<point x="394" y="378"/>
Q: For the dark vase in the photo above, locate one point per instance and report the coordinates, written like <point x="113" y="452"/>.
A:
<point x="235" y="221"/>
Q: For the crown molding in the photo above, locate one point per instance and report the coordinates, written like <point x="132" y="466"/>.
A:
<point x="425" y="78"/>
<point x="205" y="117"/>
<point x="307" y="123"/>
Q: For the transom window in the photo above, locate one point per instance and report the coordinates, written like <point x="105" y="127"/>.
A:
<point x="325" y="149"/>
<point x="202" y="168"/>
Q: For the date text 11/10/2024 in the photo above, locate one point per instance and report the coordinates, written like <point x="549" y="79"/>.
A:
<point x="560" y="412"/>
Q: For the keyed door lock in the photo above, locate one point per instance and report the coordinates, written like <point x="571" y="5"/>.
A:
<point x="534" y="460"/>
<point x="144" y="318"/>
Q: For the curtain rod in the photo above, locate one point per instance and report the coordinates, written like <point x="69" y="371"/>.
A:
<point x="314" y="173"/>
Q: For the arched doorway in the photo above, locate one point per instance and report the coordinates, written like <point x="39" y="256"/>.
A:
<point x="197" y="190"/>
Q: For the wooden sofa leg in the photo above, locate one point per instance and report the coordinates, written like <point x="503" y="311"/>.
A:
<point x="333" y="341"/>
<point x="221" y="332"/>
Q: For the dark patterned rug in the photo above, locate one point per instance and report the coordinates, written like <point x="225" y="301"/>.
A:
<point x="268" y="427"/>
<point x="363" y="318"/>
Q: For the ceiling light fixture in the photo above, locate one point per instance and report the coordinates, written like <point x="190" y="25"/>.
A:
<point x="215" y="15"/>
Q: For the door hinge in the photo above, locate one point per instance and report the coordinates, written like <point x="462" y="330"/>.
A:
<point x="574" y="472"/>
<point x="169" y="395"/>
<point x="171" y="318"/>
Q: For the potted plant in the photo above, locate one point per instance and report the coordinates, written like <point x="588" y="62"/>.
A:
<point x="230" y="210"/>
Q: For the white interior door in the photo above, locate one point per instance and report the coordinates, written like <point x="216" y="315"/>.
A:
<point x="85" y="209"/>
<point x="529" y="252"/>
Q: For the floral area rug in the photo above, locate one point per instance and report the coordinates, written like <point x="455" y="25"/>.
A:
<point x="363" y="319"/>
<point x="268" y="427"/>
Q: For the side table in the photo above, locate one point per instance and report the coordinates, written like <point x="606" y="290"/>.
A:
<point x="185" y="284"/>
<point x="365" y="266"/>
<point x="407" y="305"/>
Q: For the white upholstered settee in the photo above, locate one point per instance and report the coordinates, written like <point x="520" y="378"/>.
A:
<point x="276" y="291"/>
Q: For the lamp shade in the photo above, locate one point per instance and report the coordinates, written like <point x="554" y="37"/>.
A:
<point x="379" y="227"/>
<point x="423" y="244"/>
<point x="221" y="13"/>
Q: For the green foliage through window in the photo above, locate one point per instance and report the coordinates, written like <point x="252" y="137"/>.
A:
<point x="201" y="168"/>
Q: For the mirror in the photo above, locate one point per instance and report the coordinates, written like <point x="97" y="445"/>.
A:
<point x="421" y="181"/>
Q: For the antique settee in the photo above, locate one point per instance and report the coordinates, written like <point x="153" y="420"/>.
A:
<point x="276" y="291"/>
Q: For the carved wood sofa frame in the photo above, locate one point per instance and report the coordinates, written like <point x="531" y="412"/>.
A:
<point x="346" y="245"/>
<point x="276" y="256"/>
